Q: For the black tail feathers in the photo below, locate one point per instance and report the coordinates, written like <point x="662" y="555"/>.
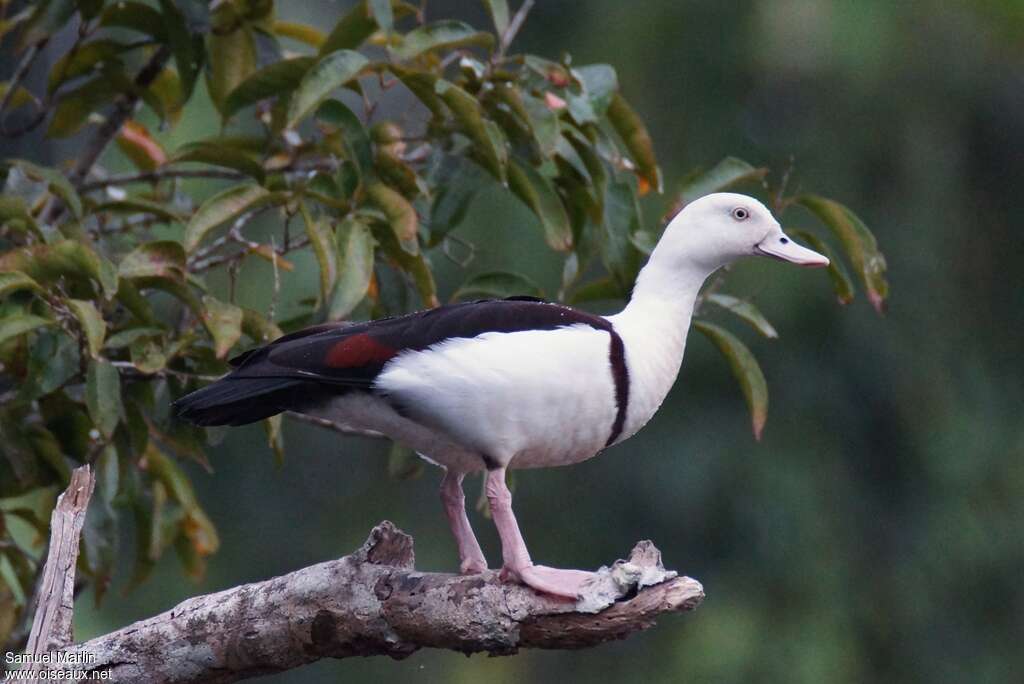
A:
<point x="238" y="401"/>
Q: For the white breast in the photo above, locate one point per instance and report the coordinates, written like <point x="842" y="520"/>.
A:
<point x="532" y="398"/>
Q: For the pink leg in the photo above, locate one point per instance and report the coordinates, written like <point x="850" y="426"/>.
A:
<point x="471" y="557"/>
<point x="517" y="563"/>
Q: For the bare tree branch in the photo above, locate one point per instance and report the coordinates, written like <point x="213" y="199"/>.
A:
<point x="156" y="176"/>
<point x="166" y="173"/>
<point x="374" y="602"/>
<point x="347" y="430"/>
<point x="123" y="108"/>
<point x="15" y="82"/>
<point x="513" y="27"/>
<point x="51" y="627"/>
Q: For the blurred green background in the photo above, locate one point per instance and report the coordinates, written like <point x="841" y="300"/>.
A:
<point x="877" y="531"/>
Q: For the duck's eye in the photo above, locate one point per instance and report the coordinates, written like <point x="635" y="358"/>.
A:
<point x="784" y="240"/>
<point x="740" y="213"/>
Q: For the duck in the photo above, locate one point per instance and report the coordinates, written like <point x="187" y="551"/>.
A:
<point x="495" y="385"/>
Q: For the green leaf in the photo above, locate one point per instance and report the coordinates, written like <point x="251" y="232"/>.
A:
<point x="142" y="150"/>
<point x="468" y="113"/>
<point x="15" y="281"/>
<point x="56" y="181"/>
<point x="125" y="338"/>
<point x="14" y="214"/>
<point x="355" y="245"/>
<point x="858" y="242"/>
<point x="393" y="171"/>
<point x="447" y="33"/>
<point x="160" y="259"/>
<point x="539" y="195"/>
<point x="621" y="220"/>
<point x="208" y="152"/>
<point x="300" y="32"/>
<point x="600" y="83"/>
<point x="20" y="98"/>
<point x="103" y="396"/>
<point x="403" y="463"/>
<point x="224" y="322"/>
<point x="258" y="328"/>
<point x="75" y="106"/>
<point x="725" y="174"/>
<point x="47" y="19"/>
<point x="746" y="370"/>
<point x="79" y="62"/>
<point x="841" y="282"/>
<point x="53" y="359"/>
<point x="275" y="438"/>
<point x="543" y="123"/>
<point x="381" y="12"/>
<point x="745" y="310"/>
<point x="331" y="72"/>
<point x="400" y="214"/>
<point x="277" y="78"/>
<point x="9" y="611"/>
<point x="188" y="53"/>
<point x="421" y="84"/>
<point x="147" y="355"/>
<point x="165" y="95"/>
<point x="18" y="324"/>
<point x="136" y="16"/>
<point x="498" y="9"/>
<point x="321" y="238"/>
<point x="497" y="284"/>
<point x="232" y="59"/>
<point x="358" y="25"/>
<point x="602" y="289"/>
<point x="644" y="240"/>
<point x="354" y="137"/>
<point x="93" y="325"/>
<point x="198" y="528"/>
<point x="457" y="184"/>
<point x="139" y="205"/>
<point x="631" y="129"/>
<point x="63" y="260"/>
<point x="416" y="266"/>
<point x="225" y="206"/>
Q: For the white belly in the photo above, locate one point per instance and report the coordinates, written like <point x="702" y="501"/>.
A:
<point x="524" y="399"/>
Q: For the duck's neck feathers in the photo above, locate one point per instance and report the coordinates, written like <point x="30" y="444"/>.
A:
<point x="654" y="327"/>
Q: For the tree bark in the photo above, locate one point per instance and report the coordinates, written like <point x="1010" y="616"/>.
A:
<point x="55" y="604"/>
<point x="374" y="602"/>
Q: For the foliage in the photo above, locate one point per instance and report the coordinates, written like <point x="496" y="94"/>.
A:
<point x="108" y="307"/>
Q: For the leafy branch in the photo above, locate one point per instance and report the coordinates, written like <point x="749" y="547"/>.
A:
<point x="111" y="295"/>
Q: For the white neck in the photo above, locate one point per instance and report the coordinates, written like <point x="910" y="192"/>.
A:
<point x="654" y="328"/>
<point x="666" y="288"/>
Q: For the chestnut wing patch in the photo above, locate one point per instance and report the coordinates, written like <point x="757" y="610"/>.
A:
<point x="357" y="351"/>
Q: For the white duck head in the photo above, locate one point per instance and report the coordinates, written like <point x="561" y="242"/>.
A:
<point x="717" y="229"/>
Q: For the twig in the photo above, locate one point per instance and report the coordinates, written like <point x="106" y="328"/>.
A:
<point x="374" y="602"/>
<point x="156" y="176"/>
<point x="513" y="28"/>
<point x="166" y="173"/>
<point x="15" y="82"/>
<point x="336" y="427"/>
<point x="272" y="310"/>
<point x="446" y="250"/>
<point x="51" y="627"/>
<point x="163" y="372"/>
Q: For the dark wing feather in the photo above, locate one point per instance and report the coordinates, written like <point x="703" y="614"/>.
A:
<point x="313" y="364"/>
